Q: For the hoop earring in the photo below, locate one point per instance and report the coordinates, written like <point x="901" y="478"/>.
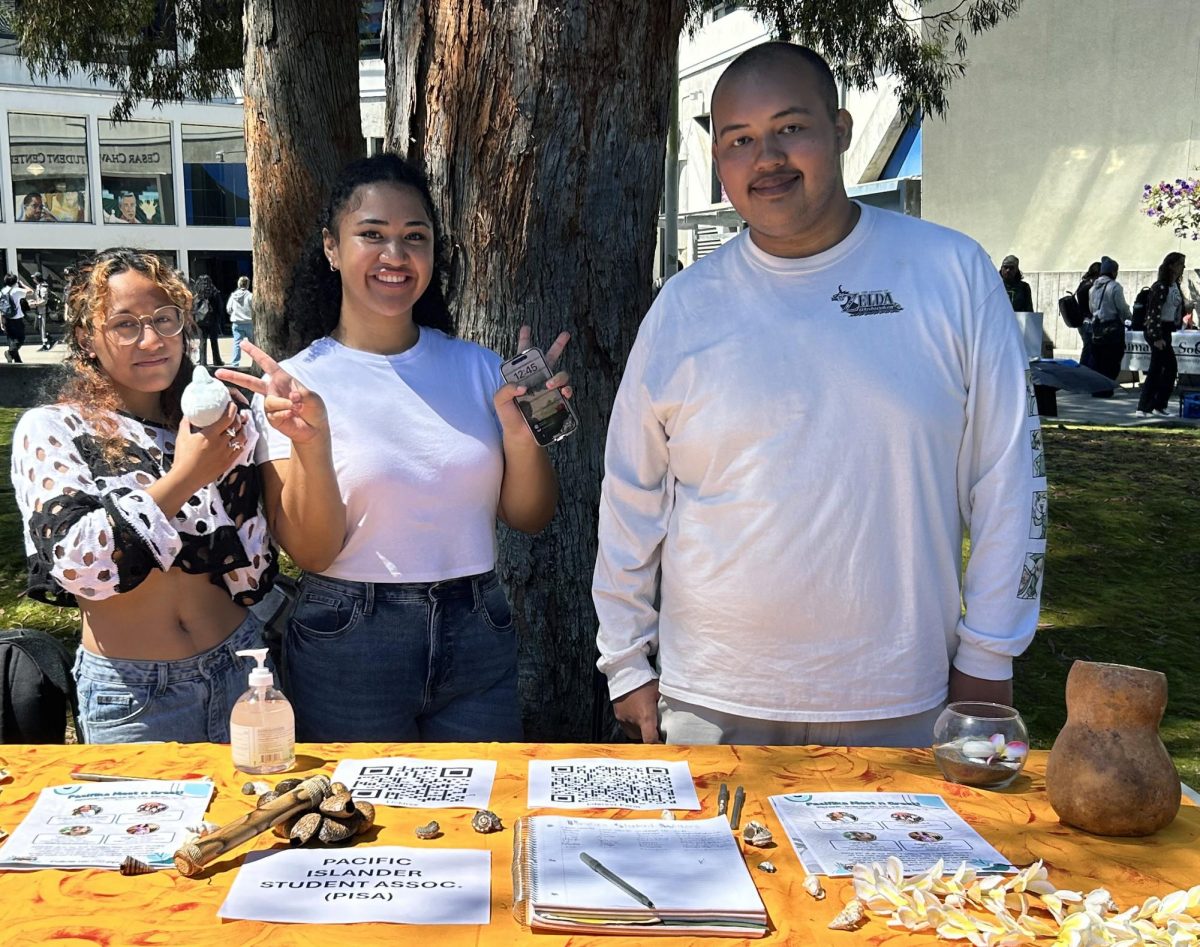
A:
<point x="332" y="268"/>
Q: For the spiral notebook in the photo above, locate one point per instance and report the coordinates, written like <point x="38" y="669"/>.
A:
<point x="691" y="871"/>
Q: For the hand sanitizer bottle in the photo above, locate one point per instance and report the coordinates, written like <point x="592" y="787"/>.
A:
<point x="262" y="727"/>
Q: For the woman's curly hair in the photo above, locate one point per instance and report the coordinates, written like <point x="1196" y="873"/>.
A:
<point x="314" y="298"/>
<point x="88" y="387"/>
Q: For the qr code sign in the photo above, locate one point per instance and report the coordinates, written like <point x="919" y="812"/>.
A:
<point x="618" y="787"/>
<point x="413" y="785"/>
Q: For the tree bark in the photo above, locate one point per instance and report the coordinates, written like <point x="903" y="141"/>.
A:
<point x="302" y="124"/>
<point x="542" y="127"/>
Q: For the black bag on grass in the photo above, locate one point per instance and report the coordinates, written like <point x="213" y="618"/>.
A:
<point x="36" y="687"/>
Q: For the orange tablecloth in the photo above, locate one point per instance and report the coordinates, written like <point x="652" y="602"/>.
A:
<point x="102" y="908"/>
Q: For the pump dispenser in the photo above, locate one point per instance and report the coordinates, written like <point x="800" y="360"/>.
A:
<point x="262" y="727"/>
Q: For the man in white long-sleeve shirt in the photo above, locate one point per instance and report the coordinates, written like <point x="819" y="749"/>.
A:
<point x="810" y="419"/>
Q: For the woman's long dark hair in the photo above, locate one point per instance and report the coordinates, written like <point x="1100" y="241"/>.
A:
<point x="314" y="298"/>
<point x="1170" y="261"/>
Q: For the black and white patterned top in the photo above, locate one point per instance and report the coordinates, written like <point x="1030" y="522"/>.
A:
<point x="93" y="532"/>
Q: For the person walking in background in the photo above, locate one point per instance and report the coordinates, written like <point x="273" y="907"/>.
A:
<point x="1106" y="302"/>
<point x="241" y="318"/>
<point x="1164" y="314"/>
<point x="14" y="306"/>
<point x="1019" y="293"/>
<point x="41" y="309"/>
<point x="206" y="310"/>
<point x="1081" y="296"/>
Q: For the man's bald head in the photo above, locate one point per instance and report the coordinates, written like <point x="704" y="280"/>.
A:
<point x="770" y="57"/>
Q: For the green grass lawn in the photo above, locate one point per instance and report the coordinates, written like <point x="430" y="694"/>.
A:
<point x="1122" y="576"/>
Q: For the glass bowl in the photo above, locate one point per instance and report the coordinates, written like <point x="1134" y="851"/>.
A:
<point x="980" y="744"/>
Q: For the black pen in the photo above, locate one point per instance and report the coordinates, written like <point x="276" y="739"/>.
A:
<point x="108" y="778"/>
<point x="619" y="882"/>
<point x="723" y="800"/>
<point x="739" y="798"/>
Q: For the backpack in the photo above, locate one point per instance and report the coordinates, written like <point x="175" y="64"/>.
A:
<point x="1138" y="309"/>
<point x="8" y="305"/>
<point x="1069" y="309"/>
<point x="36" y="687"/>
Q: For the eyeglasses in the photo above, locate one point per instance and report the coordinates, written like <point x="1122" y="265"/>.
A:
<point x="126" y="328"/>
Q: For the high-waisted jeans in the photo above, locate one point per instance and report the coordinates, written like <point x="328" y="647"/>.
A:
<point x="403" y="662"/>
<point x="184" y="701"/>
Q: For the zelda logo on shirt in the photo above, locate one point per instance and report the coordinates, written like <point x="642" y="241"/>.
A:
<point x="871" y="303"/>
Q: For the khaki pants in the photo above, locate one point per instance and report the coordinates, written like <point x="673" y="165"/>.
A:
<point x="689" y="724"/>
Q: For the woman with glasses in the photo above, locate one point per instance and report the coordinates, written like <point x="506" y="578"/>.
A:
<point x="152" y="528"/>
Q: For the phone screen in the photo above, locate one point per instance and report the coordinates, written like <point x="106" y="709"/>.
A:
<point x="545" y="409"/>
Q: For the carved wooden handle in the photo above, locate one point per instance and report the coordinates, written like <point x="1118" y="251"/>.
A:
<point x="191" y="858"/>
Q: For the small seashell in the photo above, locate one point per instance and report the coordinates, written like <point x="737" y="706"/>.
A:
<point x="428" y="830"/>
<point x="132" y="866"/>
<point x="287" y="785"/>
<point x="335" y="788"/>
<point x="485" y="821"/>
<point x="976" y="749"/>
<point x="668" y="815"/>
<point x="812" y="884"/>
<point x="201" y="829"/>
<point x="256" y="787"/>
<point x="269" y="796"/>
<point x="366" y="816"/>
<point x="850" y="917"/>
<point x="334" y="831"/>
<point x="305" y="828"/>
<point x="757" y="834"/>
<point x="768" y="867"/>
<point x="339" y="804"/>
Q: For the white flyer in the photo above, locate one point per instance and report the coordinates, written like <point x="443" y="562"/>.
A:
<point x="370" y="884"/>
<point x="832" y="831"/>
<point x="611" y="784"/>
<point x="421" y="784"/>
<point x="90" y="825"/>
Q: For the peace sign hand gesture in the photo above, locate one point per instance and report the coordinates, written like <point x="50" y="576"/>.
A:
<point x="293" y="410"/>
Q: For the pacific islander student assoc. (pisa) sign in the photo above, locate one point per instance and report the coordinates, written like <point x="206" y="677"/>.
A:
<point x="385" y="884"/>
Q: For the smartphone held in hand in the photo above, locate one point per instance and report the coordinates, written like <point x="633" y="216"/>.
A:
<point x="549" y="415"/>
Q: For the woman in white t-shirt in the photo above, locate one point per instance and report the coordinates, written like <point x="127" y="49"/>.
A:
<point x="385" y="486"/>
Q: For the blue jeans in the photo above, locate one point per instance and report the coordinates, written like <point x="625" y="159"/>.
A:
<point x="184" y="701"/>
<point x="404" y="662"/>
<point x="242" y="331"/>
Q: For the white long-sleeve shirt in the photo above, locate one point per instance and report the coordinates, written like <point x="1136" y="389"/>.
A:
<point x="794" y="454"/>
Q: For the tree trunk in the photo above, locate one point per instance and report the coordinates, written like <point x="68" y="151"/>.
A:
<point x="542" y="127"/>
<point x="302" y="124"/>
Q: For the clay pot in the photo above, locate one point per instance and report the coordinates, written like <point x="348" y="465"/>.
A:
<point x="1109" y="772"/>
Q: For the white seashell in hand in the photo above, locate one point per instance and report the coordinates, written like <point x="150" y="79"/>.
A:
<point x="205" y="399"/>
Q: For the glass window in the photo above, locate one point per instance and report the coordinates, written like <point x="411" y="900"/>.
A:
<point x="136" y="185"/>
<point x="49" y="167"/>
<point x="216" y="191"/>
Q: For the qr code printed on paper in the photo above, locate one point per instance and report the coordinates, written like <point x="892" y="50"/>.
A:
<point x="410" y="785"/>
<point x="618" y="787"/>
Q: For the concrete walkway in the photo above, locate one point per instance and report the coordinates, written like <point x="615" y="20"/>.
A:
<point x="1117" y="411"/>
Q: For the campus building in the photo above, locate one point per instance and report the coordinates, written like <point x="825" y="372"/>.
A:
<point x="172" y="179"/>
